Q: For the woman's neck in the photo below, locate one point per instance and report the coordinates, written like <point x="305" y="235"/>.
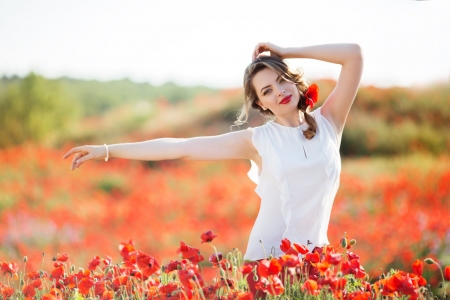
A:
<point x="293" y="120"/>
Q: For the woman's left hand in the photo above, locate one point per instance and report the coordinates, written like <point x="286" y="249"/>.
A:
<point x="264" y="47"/>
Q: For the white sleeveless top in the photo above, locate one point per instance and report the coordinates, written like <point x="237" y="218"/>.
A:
<point x="297" y="185"/>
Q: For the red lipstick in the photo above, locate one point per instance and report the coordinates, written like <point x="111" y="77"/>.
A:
<point x="286" y="99"/>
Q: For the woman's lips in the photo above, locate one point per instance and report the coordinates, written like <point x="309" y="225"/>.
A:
<point x="286" y="99"/>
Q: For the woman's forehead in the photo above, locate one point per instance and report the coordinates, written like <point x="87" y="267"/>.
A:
<point x="264" y="77"/>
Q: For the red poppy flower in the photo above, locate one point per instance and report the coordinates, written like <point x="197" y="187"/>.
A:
<point x="37" y="283"/>
<point x="57" y="273"/>
<point x="227" y="282"/>
<point x="173" y="265"/>
<point x="333" y="258"/>
<point x="323" y="266"/>
<point x="85" y="285"/>
<point x="211" y="291"/>
<point x="267" y="268"/>
<point x="312" y="95"/>
<point x="215" y="258"/>
<point x="11" y="268"/>
<point x="126" y="248"/>
<point x="290" y="261"/>
<point x="301" y="248"/>
<point x="99" y="288"/>
<point x="245" y="296"/>
<point x="310" y="287"/>
<point x="119" y="281"/>
<point x="193" y="254"/>
<point x="146" y="263"/>
<point x="94" y="263"/>
<point x="208" y="236"/>
<point x="247" y="268"/>
<point x="28" y="290"/>
<point x="168" y="288"/>
<point x="49" y="297"/>
<point x="276" y="286"/>
<point x="7" y="292"/>
<point x="312" y="257"/>
<point x="417" y="267"/>
<point x="447" y="273"/>
<point x="61" y="257"/>
<point x="353" y="267"/>
<point x="285" y="245"/>
<point x="34" y="275"/>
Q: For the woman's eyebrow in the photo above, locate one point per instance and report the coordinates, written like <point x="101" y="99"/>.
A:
<point x="269" y="84"/>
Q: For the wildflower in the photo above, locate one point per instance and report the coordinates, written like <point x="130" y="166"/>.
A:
<point x="447" y="273"/>
<point x="215" y="258"/>
<point x="94" y="263"/>
<point x="10" y="267"/>
<point x="312" y="95"/>
<point x="85" y="285"/>
<point x="126" y="249"/>
<point x="267" y="268"/>
<point x="208" y="236"/>
<point x="247" y="268"/>
<point x="28" y="290"/>
<point x="290" y="261"/>
<point x="417" y="267"/>
<point x="173" y="265"/>
<point x="353" y="267"/>
<point x="310" y="287"/>
<point x="61" y="257"/>
<point x="192" y="254"/>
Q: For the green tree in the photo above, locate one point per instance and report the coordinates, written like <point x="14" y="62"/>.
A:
<point x="32" y="109"/>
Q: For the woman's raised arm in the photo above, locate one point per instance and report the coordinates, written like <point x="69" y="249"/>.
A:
<point x="338" y="104"/>
<point x="233" y="145"/>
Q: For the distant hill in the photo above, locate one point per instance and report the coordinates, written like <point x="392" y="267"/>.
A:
<point x="383" y="121"/>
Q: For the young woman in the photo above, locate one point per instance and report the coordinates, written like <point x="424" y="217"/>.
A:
<point x="295" y="156"/>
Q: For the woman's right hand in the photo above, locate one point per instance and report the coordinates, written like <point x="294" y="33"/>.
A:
<point x="85" y="153"/>
<point x="268" y="47"/>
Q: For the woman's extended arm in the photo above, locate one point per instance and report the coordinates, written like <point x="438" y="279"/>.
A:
<point x="338" y="104"/>
<point x="233" y="145"/>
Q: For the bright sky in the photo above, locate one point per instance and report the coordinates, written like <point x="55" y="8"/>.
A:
<point x="405" y="42"/>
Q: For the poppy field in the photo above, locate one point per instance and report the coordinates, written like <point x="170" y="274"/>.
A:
<point x="48" y="210"/>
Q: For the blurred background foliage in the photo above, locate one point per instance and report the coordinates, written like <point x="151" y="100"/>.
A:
<point x="389" y="121"/>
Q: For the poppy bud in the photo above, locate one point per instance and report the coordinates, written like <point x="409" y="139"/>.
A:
<point x="22" y="282"/>
<point x="72" y="268"/>
<point x="352" y="242"/>
<point x="61" y="282"/>
<point x="255" y="278"/>
<point x="429" y="261"/>
<point x="25" y="259"/>
<point x="344" y="242"/>
<point x="383" y="276"/>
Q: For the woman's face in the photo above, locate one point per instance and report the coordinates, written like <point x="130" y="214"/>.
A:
<point x="274" y="93"/>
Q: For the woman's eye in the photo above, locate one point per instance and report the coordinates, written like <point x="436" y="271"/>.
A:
<point x="266" y="92"/>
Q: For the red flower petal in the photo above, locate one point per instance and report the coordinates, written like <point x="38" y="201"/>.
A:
<point x="447" y="273"/>
<point x="208" y="236"/>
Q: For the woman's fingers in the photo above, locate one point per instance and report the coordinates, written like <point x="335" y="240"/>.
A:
<point x="74" y="160"/>
<point x="260" y="48"/>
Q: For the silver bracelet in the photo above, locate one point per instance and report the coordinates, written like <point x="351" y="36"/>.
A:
<point x="107" y="153"/>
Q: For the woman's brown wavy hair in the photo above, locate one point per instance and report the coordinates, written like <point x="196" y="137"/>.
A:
<point x="281" y="68"/>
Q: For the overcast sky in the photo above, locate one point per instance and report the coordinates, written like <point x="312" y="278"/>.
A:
<point x="405" y="42"/>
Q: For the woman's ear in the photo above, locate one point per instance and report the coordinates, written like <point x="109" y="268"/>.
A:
<point x="261" y="105"/>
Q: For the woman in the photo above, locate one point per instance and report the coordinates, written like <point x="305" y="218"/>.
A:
<point x="295" y="157"/>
